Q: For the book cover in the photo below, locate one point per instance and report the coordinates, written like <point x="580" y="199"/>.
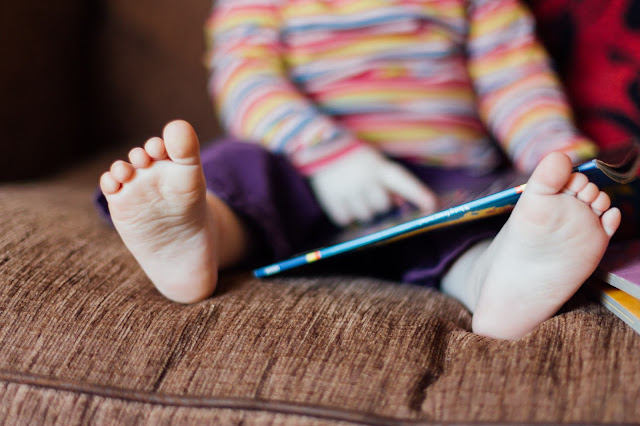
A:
<point x="622" y="304"/>
<point x="500" y="202"/>
<point x="620" y="266"/>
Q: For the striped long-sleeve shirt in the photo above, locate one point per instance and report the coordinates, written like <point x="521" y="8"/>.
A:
<point x="434" y="81"/>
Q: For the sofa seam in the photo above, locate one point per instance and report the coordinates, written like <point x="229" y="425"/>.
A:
<point x="201" y="402"/>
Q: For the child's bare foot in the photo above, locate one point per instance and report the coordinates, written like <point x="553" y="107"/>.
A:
<point x="552" y="242"/>
<point x="158" y="204"/>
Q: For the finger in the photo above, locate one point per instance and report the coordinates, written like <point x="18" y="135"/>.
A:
<point x="335" y="210"/>
<point x="403" y="183"/>
<point x="358" y="207"/>
<point x="378" y="199"/>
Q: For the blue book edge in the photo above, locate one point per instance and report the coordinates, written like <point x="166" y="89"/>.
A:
<point x="599" y="172"/>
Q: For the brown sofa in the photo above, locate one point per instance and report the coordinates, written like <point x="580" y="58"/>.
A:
<point x="85" y="338"/>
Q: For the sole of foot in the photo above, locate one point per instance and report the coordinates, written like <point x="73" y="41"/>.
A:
<point x="158" y="205"/>
<point x="552" y="242"/>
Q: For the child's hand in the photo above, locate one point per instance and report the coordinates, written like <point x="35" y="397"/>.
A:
<point x="364" y="183"/>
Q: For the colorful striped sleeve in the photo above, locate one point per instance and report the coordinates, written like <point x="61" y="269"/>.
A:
<point x="519" y="97"/>
<point x="255" y="99"/>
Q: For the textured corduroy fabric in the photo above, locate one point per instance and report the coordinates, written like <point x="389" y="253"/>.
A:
<point x="84" y="337"/>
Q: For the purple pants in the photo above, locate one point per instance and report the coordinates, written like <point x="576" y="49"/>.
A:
<point x="277" y="205"/>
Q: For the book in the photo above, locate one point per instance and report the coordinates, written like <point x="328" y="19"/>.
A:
<point x="599" y="171"/>
<point x="620" y="266"/>
<point x="620" y="303"/>
<point x="617" y="281"/>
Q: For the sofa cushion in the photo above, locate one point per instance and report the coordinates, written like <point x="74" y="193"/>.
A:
<point x="84" y="336"/>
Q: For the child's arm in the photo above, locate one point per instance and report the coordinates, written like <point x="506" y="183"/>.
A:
<point x="519" y="96"/>
<point x="255" y="98"/>
<point x="257" y="102"/>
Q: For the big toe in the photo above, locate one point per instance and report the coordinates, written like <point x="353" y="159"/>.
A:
<point x="181" y="143"/>
<point x="551" y="175"/>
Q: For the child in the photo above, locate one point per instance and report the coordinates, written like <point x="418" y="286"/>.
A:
<point x="331" y="85"/>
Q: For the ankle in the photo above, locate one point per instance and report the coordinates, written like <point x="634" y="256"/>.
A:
<point x="231" y="235"/>
<point x="465" y="279"/>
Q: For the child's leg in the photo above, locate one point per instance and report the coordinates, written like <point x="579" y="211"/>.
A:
<point x="552" y="242"/>
<point x="178" y="232"/>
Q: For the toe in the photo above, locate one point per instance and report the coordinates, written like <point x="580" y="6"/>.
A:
<point x="155" y="149"/>
<point x="601" y="203"/>
<point x="182" y="143"/>
<point x="576" y="183"/>
<point x="108" y="184"/>
<point x="589" y="193"/>
<point x="121" y="171"/>
<point x="551" y="175"/>
<point x="610" y="221"/>
<point x="139" y="158"/>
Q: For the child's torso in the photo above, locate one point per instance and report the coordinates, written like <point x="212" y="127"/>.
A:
<point x="392" y="71"/>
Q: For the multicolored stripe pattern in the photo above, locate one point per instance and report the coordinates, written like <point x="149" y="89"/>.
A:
<point x="433" y="81"/>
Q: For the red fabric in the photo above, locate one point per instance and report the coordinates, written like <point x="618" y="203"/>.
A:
<point x="596" y="45"/>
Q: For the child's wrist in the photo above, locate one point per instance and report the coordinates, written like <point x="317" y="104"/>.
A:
<point x="312" y="159"/>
